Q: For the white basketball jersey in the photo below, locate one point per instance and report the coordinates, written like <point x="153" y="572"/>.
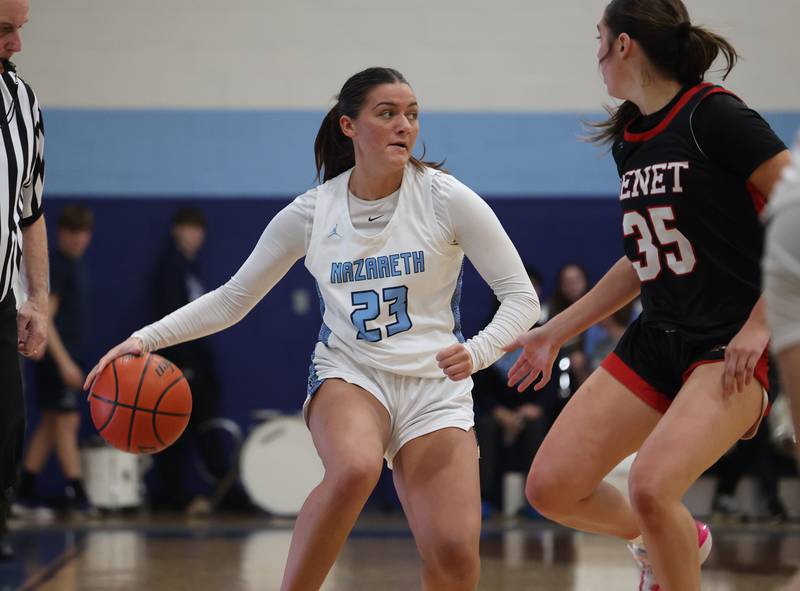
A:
<point x="391" y="299"/>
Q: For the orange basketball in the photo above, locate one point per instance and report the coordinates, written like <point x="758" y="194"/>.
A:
<point x="140" y="404"/>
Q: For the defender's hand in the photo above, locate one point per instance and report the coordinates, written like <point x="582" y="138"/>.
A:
<point x="539" y="351"/>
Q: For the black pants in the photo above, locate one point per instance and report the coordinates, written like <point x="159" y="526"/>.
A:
<point x="497" y="458"/>
<point x="171" y="473"/>
<point x="12" y="403"/>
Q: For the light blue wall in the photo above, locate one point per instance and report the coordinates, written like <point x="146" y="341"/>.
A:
<point x="258" y="153"/>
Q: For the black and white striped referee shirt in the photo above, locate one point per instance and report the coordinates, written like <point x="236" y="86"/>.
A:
<point x="21" y="170"/>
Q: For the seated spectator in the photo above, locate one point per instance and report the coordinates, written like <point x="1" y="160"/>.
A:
<point x="572" y="366"/>
<point x="509" y="425"/>
<point x="758" y="457"/>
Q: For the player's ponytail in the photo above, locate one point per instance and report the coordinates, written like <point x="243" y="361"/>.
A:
<point x="675" y="47"/>
<point x="333" y="150"/>
<point x="700" y="48"/>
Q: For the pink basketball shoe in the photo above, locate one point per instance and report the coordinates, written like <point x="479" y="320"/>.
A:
<point x="647" y="580"/>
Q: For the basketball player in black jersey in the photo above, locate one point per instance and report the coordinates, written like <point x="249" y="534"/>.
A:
<point x="687" y="379"/>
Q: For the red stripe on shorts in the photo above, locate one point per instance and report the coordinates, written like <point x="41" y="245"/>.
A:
<point x="760" y="373"/>
<point x="634" y="382"/>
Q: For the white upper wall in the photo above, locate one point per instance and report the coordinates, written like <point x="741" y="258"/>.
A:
<point x="505" y="55"/>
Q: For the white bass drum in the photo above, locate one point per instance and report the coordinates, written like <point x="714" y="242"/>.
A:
<point x="279" y="465"/>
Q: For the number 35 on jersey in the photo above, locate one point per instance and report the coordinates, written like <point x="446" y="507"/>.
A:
<point x="655" y="232"/>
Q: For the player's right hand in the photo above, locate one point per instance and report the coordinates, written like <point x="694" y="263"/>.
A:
<point x="130" y="346"/>
<point x="539" y="351"/>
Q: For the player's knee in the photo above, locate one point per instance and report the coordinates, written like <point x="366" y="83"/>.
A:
<point x="546" y="492"/>
<point x="356" y="475"/>
<point x="648" y="495"/>
<point x="457" y="561"/>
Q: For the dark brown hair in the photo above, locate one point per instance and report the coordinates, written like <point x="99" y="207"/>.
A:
<point x="559" y="301"/>
<point x="189" y="216"/>
<point x="676" y="47"/>
<point x="333" y="150"/>
<point x="76" y="218"/>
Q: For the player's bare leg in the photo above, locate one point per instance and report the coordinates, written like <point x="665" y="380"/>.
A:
<point x="66" y="443"/>
<point x="41" y="443"/>
<point x="699" y="427"/>
<point x="436" y="476"/>
<point x="350" y="430"/>
<point x="602" y="424"/>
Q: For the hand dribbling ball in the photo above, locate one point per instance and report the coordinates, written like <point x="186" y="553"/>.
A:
<point x="140" y="404"/>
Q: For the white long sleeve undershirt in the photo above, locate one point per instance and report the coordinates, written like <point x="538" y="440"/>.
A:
<point x="464" y="219"/>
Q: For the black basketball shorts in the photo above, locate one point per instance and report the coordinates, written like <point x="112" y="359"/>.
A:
<point x="654" y="363"/>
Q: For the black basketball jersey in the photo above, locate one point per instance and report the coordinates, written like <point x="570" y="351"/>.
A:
<point x="691" y="227"/>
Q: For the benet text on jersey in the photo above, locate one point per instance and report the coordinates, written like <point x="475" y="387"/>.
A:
<point x="656" y="179"/>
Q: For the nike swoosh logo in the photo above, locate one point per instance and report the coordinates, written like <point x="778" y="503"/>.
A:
<point x="375" y="218"/>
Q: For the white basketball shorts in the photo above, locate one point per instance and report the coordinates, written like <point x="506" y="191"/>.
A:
<point x="416" y="406"/>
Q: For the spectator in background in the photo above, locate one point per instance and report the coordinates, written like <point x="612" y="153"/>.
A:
<point x="572" y="283"/>
<point x="58" y="373"/>
<point x="758" y="457"/>
<point x="178" y="281"/>
<point x="536" y="280"/>
<point x="602" y="338"/>
<point x="509" y="425"/>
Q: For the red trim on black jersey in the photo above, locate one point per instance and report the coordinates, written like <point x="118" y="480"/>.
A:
<point x="648" y="135"/>
<point x="634" y="382"/>
<point x="719" y="90"/>
<point x="759" y="201"/>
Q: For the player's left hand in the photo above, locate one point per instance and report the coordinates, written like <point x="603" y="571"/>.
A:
<point x="742" y="355"/>
<point x="455" y="361"/>
<point x="132" y="345"/>
<point x="32" y="327"/>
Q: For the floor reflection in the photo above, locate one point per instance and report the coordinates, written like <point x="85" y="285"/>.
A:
<point x="240" y="554"/>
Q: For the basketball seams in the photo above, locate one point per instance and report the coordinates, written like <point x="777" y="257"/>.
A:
<point x="136" y="400"/>
<point x="165" y="413"/>
<point x="158" y="402"/>
<point x="145" y="434"/>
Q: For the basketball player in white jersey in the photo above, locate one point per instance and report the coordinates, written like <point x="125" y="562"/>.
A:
<point x="384" y="237"/>
<point x="782" y="285"/>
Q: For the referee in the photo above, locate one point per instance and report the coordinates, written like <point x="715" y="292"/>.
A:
<point x="21" y="222"/>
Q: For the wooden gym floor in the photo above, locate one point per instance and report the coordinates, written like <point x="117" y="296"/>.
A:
<point x="246" y="553"/>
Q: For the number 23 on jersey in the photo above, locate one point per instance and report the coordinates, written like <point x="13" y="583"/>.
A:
<point x="368" y="308"/>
